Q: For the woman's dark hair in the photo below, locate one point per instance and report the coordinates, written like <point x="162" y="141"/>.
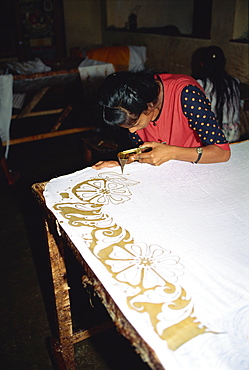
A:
<point x="125" y="95"/>
<point x="209" y="63"/>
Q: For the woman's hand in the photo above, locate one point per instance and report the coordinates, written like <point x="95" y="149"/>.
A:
<point x="159" y="154"/>
<point x="104" y="164"/>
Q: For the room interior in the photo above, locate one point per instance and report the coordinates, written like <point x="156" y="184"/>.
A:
<point x="77" y="27"/>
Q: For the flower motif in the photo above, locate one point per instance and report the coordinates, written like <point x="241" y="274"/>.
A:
<point x="102" y="191"/>
<point x="140" y="264"/>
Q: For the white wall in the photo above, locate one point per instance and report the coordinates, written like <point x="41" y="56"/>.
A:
<point x="152" y="13"/>
<point x="173" y="54"/>
<point x="241" y="20"/>
<point x="82" y="23"/>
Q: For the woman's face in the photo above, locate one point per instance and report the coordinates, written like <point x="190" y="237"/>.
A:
<point x="142" y="122"/>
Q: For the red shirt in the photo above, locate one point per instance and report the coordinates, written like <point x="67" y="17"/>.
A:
<point x="177" y="127"/>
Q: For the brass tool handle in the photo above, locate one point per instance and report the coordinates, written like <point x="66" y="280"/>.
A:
<point x="127" y="153"/>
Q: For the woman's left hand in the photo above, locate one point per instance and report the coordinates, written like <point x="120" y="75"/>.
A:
<point x="103" y="164"/>
<point x="159" y="154"/>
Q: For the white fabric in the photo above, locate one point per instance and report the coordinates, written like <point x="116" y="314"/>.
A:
<point x="184" y="224"/>
<point x="18" y="100"/>
<point x="93" y="72"/>
<point x="137" y="57"/>
<point x="30" y="66"/>
<point x="6" y="96"/>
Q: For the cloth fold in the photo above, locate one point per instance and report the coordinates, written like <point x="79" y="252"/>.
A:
<point x="6" y="98"/>
<point x="30" y="66"/>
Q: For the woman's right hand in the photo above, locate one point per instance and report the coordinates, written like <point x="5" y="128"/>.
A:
<point x="104" y="164"/>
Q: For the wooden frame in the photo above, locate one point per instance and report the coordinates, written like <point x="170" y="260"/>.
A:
<point x="28" y="111"/>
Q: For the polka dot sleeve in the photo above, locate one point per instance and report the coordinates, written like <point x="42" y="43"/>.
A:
<point x="197" y="108"/>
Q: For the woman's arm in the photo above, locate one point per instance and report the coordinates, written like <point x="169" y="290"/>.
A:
<point x="162" y="153"/>
<point x="211" y="154"/>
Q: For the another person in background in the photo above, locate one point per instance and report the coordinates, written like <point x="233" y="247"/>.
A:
<point x="169" y="113"/>
<point x="208" y="68"/>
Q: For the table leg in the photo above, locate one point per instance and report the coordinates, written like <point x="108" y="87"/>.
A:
<point x="62" y="118"/>
<point x="62" y="302"/>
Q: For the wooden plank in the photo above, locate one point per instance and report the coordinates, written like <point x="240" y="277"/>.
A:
<point x="84" y="334"/>
<point x="62" y="117"/>
<point x="31" y="76"/>
<point x="55" y="353"/>
<point x="48" y="135"/>
<point x="40" y="113"/>
<point x="34" y="101"/>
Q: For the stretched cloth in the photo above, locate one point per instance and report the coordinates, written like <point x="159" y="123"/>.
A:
<point x="118" y="56"/>
<point x="92" y="74"/>
<point x="6" y="97"/>
<point x="170" y="246"/>
<point x="122" y="57"/>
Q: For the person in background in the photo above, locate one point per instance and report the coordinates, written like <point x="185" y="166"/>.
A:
<point x="208" y="68"/>
<point x="166" y="112"/>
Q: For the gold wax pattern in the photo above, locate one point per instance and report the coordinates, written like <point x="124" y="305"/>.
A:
<point x="148" y="274"/>
<point x="64" y="195"/>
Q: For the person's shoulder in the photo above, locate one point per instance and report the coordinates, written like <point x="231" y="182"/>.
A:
<point x="178" y="78"/>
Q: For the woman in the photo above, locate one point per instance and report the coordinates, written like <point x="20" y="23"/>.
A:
<point x="208" y="68"/>
<point x="169" y="113"/>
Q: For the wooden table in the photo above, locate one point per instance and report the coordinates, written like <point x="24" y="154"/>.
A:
<point x="40" y="84"/>
<point x="166" y="249"/>
<point x="62" y="346"/>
